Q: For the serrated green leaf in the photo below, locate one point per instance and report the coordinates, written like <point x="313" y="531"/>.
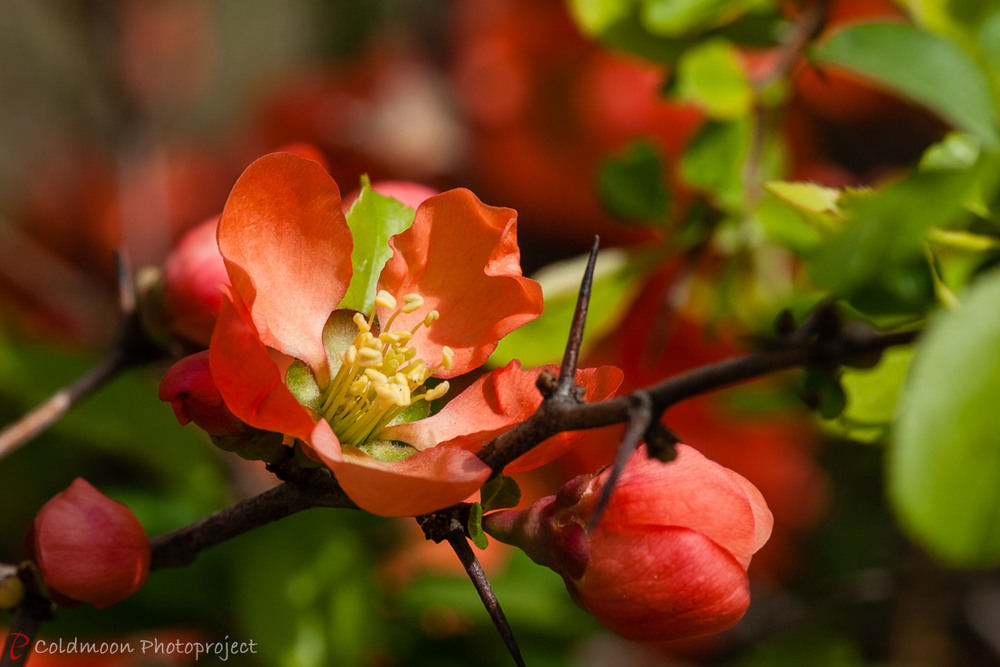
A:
<point x="924" y="66"/>
<point x="475" y="526"/>
<point x="945" y="461"/>
<point x="617" y="278"/>
<point x="373" y="220"/>
<point x="499" y="493"/>
<point x="631" y="184"/>
<point x="709" y="75"/>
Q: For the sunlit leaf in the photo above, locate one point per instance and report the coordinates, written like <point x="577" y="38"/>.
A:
<point x="710" y="76"/>
<point x="373" y="219"/>
<point x="945" y="461"/>
<point x="924" y="66"/>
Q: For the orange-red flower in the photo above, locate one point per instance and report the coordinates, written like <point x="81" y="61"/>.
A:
<point x="286" y="357"/>
<point x="89" y="548"/>
<point x="668" y="557"/>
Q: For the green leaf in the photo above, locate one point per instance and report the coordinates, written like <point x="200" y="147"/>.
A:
<point x="880" y="251"/>
<point x="597" y="16"/>
<point x="617" y="278"/>
<point x="475" y="526"/>
<point x="872" y="394"/>
<point x="631" y="184"/>
<point x="713" y="161"/>
<point x="673" y="18"/>
<point x="710" y="76"/>
<point x="822" y="389"/>
<point x="373" y="220"/>
<point x="945" y="461"/>
<point x="500" y="493"/>
<point x="923" y="66"/>
<point x="799" y="216"/>
<point x="808" y="196"/>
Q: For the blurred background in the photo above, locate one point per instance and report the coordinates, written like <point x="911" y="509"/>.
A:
<point x="124" y="123"/>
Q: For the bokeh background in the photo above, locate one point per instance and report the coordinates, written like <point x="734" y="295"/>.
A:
<point x="124" y="123"/>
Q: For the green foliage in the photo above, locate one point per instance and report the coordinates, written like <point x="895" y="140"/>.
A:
<point x="876" y="260"/>
<point x="475" y="526"/>
<point x="710" y="76"/>
<point x="631" y="184"/>
<point x="373" y="220"/>
<point x="500" y="493"/>
<point x="925" y="66"/>
<point x="945" y="461"/>
<point x="617" y="278"/>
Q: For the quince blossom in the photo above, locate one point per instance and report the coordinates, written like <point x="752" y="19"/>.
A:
<point x="669" y="555"/>
<point x="351" y="386"/>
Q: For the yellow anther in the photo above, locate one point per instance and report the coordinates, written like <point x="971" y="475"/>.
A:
<point x="431" y="318"/>
<point x="447" y="357"/>
<point x="361" y="323"/>
<point x="349" y="356"/>
<point x="437" y="392"/>
<point x="385" y="300"/>
<point x="370" y="357"/>
<point x="395" y="337"/>
<point x="360" y="386"/>
<point x="412" y="302"/>
<point x="378" y="379"/>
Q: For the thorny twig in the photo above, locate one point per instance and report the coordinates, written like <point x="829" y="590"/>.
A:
<point x="448" y="525"/>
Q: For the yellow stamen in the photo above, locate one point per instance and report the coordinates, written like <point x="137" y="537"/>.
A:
<point x="380" y="375"/>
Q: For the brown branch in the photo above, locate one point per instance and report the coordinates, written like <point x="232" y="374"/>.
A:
<point x="308" y="489"/>
<point x="28" y="616"/>
<point x="848" y="347"/>
<point x="457" y="540"/>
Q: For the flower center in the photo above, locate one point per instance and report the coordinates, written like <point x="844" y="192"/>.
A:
<point x="379" y="376"/>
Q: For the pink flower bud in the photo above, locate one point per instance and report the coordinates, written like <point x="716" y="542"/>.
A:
<point x="89" y="548"/>
<point x="191" y="280"/>
<point x="189" y="387"/>
<point x="669" y="555"/>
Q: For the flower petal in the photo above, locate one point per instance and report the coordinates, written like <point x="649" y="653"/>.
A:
<point x="248" y="379"/>
<point x="699" y="494"/>
<point x="462" y="257"/>
<point x="287" y="249"/>
<point x="496" y="402"/>
<point x="657" y="583"/>
<point x="427" y="481"/>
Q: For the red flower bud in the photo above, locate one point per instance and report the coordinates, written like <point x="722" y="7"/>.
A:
<point x="191" y="280"/>
<point x="89" y="548"/>
<point x="668" y="557"/>
<point x="189" y="387"/>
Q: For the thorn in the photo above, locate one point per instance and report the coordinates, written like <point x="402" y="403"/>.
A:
<point x="567" y="372"/>
<point x="640" y="417"/>
<point x="458" y="542"/>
